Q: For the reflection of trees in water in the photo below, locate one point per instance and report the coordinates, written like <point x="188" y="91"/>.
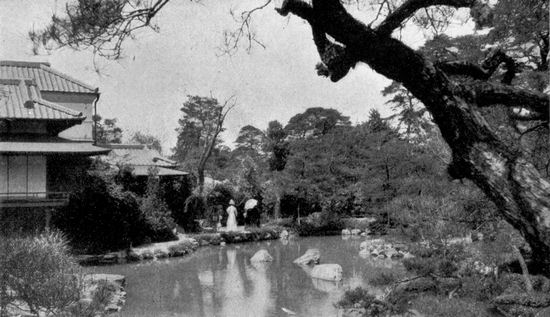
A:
<point x="222" y="281"/>
<point x="242" y="259"/>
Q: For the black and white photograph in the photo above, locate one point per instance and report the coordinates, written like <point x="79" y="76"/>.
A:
<point x="274" y="158"/>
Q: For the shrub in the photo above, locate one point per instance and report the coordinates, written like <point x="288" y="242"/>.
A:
<point x="319" y="224"/>
<point x="194" y="208"/>
<point x="40" y="272"/>
<point x="353" y="297"/>
<point x="157" y="217"/>
<point x="445" y="307"/>
<point x="156" y="214"/>
<point x="175" y="191"/>
<point x="360" y="298"/>
<point x="103" y="217"/>
<point x="383" y="278"/>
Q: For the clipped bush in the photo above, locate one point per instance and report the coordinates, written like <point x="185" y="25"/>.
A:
<point x="319" y="224"/>
<point x="39" y="272"/>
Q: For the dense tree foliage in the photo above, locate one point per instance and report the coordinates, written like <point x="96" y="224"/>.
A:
<point x="250" y="138"/>
<point x="201" y="123"/>
<point x="315" y="121"/>
<point x="107" y="131"/>
<point x="147" y="139"/>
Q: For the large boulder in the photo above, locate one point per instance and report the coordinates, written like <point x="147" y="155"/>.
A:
<point x="312" y="256"/>
<point x="261" y="256"/>
<point x="346" y="232"/>
<point x="355" y="232"/>
<point x="329" y="272"/>
<point x="325" y="285"/>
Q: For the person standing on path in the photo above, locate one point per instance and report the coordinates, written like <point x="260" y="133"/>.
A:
<point x="231" y="217"/>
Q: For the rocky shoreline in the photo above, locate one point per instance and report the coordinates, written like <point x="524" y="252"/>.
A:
<point x="185" y="244"/>
<point x="114" y="283"/>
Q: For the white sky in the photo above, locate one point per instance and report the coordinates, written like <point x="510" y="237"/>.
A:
<point x="146" y="89"/>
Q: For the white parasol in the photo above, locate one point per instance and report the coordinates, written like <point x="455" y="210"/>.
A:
<point x="251" y="203"/>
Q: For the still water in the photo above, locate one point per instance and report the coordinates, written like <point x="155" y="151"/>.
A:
<point x="221" y="281"/>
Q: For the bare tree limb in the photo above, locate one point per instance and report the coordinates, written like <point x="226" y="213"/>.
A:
<point x="409" y="8"/>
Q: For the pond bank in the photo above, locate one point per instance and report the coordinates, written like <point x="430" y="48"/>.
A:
<point x="186" y="244"/>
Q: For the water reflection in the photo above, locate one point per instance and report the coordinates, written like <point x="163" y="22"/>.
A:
<point x="221" y="281"/>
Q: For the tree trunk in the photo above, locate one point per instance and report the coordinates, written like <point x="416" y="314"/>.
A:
<point x="277" y="208"/>
<point x="501" y="171"/>
<point x="200" y="174"/>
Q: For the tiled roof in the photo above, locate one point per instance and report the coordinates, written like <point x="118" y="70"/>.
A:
<point x="160" y="171"/>
<point x="46" y="78"/>
<point x="137" y="155"/>
<point x="48" y="145"/>
<point x="20" y="99"/>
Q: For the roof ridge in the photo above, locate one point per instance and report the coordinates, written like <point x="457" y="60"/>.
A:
<point x="48" y="68"/>
<point x="23" y="63"/>
<point x="57" y="107"/>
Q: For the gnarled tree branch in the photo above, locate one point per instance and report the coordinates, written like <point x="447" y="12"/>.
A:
<point x="487" y="94"/>
<point x="486" y="70"/>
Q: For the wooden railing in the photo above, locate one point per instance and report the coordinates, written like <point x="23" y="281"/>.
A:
<point x="33" y="199"/>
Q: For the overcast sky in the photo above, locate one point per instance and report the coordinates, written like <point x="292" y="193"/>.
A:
<point x="145" y="90"/>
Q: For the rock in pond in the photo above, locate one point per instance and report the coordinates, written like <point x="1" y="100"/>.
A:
<point x="284" y="234"/>
<point x="261" y="256"/>
<point x="355" y="232"/>
<point x="371" y="244"/>
<point x="312" y="256"/>
<point x="346" y="232"/>
<point x="329" y="272"/>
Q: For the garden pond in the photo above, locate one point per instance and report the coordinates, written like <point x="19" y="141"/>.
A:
<point x="221" y="280"/>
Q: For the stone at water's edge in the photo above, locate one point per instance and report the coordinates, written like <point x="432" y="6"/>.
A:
<point x="312" y="256"/>
<point x="346" y="232"/>
<point x="329" y="272"/>
<point x="113" y="278"/>
<point x="370" y="244"/>
<point x="325" y="285"/>
<point x="382" y="249"/>
<point x="355" y="232"/>
<point x="261" y="256"/>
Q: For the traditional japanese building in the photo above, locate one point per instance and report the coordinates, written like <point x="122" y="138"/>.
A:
<point x="142" y="160"/>
<point x="46" y="135"/>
